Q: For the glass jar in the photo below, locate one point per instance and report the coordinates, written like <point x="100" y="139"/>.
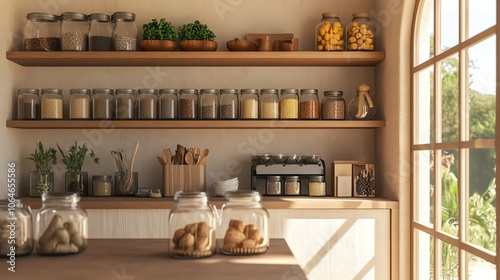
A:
<point x="360" y="33"/>
<point x="362" y="106"/>
<point x="289" y="104"/>
<point x="333" y="105"/>
<point x="126" y="184"/>
<point x="269" y="104"/>
<point x="102" y="185"/>
<point x="292" y="185"/>
<point x="329" y="33"/>
<point x="191" y="224"/>
<point x="51" y="102"/>
<point x="309" y="104"/>
<point x="40" y="183"/>
<point x="42" y="32"/>
<point x="125" y="104"/>
<point x="228" y="104"/>
<point x="188" y="104"/>
<point x="209" y="104"/>
<point x="15" y="213"/>
<point x="124" y="31"/>
<point x="100" y="32"/>
<point x="28" y="104"/>
<point x="317" y="186"/>
<point x="74" y="32"/>
<point x="61" y="225"/>
<point x="273" y="185"/>
<point x="102" y="104"/>
<point x="79" y="104"/>
<point x="244" y="224"/>
<point x="249" y="104"/>
<point x="148" y="104"/>
<point x="168" y="104"/>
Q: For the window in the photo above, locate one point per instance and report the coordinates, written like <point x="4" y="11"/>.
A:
<point x="453" y="148"/>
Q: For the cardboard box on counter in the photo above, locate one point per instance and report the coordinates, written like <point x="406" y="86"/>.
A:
<point x="183" y="178"/>
<point x="347" y="180"/>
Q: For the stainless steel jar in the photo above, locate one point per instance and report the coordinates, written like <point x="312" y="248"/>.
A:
<point x="228" y="104"/>
<point x="100" y="32"/>
<point x="28" y="104"/>
<point x="249" y="104"/>
<point x="209" y="104"/>
<point x="148" y="104"/>
<point x="16" y="221"/>
<point x="269" y="104"/>
<point x="103" y="102"/>
<point x="289" y="104"/>
<point x="168" y="104"/>
<point x="124" y="31"/>
<point x="188" y="104"/>
<point x="333" y="105"/>
<point x="51" y="107"/>
<point x="309" y="104"/>
<point x="79" y="104"/>
<point x="74" y="32"/>
<point x="125" y="108"/>
<point x="42" y="32"/>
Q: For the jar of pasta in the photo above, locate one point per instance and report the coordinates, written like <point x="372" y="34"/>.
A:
<point x="329" y="33"/>
<point x="360" y="33"/>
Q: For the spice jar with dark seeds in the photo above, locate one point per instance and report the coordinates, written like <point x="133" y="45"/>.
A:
<point x="309" y="104"/>
<point x="28" y="104"/>
<point x="228" y="104"/>
<point x="188" y="104"/>
<point x="103" y="103"/>
<point x="42" y="32"/>
<point x="51" y="104"/>
<point x="148" y="104"/>
<point x="209" y="104"/>
<point x="100" y="32"/>
<point x="168" y="104"/>
<point x="333" y="105"/>
<point x="289" y="104"/>
<point x="74" y="32"/>
<point x="125" y="104"/>
<point x="124" y="31"/>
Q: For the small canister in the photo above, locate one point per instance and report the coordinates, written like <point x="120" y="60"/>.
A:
<point x="289" y="104"/>
<point x="228" y="104"/>
<point x="61" y="225"/>
<point x="124" y="31"/>
<point x="269" y="104"/>
<point x="51" y="102"/>
<point x="126" y="184"/>
<point x="292" y="185"/>
<point x="17" y="214"/>
<point x="333" y="105"/>
<point x="100" y="32"/>
<point x="273" y="185"/>
<point x="309" y="104"/>
<point x="168" y="104"/>
<point x="28" y="104"/>
<point x="360" y="33"/>
<point x="42" y="32"/>
<point x="79" y="104"/>
<point x="188" y="104"/>
<point x="192" y="226"/>
<point x="102" y="185"/>
<point x="317" y="186"/>
<point x="148" y="104"/>
<point x="74" y="32"/>
<point x="249" y="104"/>
<point x="329" y="33"/>
<point x="209" y="104"/>
<point x="103" y="102"/>
<point x="125" y="104"/>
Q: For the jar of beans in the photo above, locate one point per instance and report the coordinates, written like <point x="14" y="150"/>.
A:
<point x="329" y="33"/>
<point x="79" y="104"/>
<point x="125" y="104"/>
<point x="289" y="104"/>
<point x="209" y="104"/>
<point x="309" y="104"/>
<point x="148" y="104"/>
<point x="28" y="104"/>
<point x="333" y="105"/>
<point x="168" y="104"/>
<point x="188" y="104"/>
<point x="42" y="32"/>
<point x="100" y="32"/>
<point x="360" y="33"/>
<point x="249" y="104"/>
<point x="51" y="104"/>
<point x="103" y="102"/>
<point x="124" y="31"/>
<point x="228" y="104"/>
<point x="269" y="104"/>
<point x="74" y="32"/>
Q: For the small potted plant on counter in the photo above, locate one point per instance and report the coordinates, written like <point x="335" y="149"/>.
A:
<point x="42" y="179"/>
<point x="196" y="37"/>
<point x="158" y="36"/>
<point x="76" y="181"/>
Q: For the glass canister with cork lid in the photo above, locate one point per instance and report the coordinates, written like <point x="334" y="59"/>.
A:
<point x="51" y="102"/>
<point x="192" y="226"/>
<point x="17" y="223"/>
<point x="74" y="32"/>
<point x="329" y="33"/>
<point x="362" y="106"/>
<point x="42" y="32"/>
<point x="28" y="104"/>
<point x="360" y="33"/>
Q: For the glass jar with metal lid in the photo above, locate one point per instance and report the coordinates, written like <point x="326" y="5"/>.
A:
<point x="16" y="221"/>
<point x="309" y="104"/>
<point x="100" y="32"/>
<point x="249" y="104"/>
<point x="269" y="104"/>
<point x="103" y="102"/>
<point x="42" y="32"/>
<point x="333" y="105"/>
<point x="51" y="102"/>
<point x="209" y="104"/>
<point x="79" y="104"/>
<point x="317" y="186"/>
<point x="329" y="33"/>
<point x="124" y="31"/>
<point x="274" y="185"/>
<point x="28" y="104"/>
<point x="228" y="104"/>
<point x="125" y="104"/>
<point x="289" y="104"/>
<point x="61" y="225"/>
<point x="292" y="185"/>
<point x="360" y="33"/>
<point x="244" y="223"/>
<point x="74" y="32"/>
<point x="188" y="104"/>
<point x="168" y="104"/>
<point x="148" y="104"/>
<point x="192" y="226"/>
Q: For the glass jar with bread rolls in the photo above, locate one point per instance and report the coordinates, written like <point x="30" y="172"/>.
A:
<point x="191" y="224"/>
<point x="244" y="224"/>
<point x="61" y="226"/>
<point x="15" y="225"/>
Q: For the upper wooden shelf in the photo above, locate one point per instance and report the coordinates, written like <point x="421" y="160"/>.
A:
<point x="185" y="124"/>
<point x="178" y="58"/>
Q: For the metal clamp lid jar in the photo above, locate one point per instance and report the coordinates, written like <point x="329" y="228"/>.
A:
<point x="42" y="32"/>
<point x="51" y="102"/>
<point x="61" y="225"/>
<point x="329" y="33"/>
<point x="79" y="104"/>
<point x="188" y="104"/>
<point x="125" y="104"/>
<point x="148" y="104"/>
<point x="103" y="103"/>
<point x="249" y="104"/>
<point x="168" y="104"/>
<point x="269" y="104"/>
<point x="100" y="32"/>
<point x="15" y="220"/>
<point x="28" y="104"/>
<point x="209" y="104"/>
<point x="124" y="31"/>
<point x="333" y="105"/>
<point x="360" y="33"/>
<point x="192" y="225"/>
<point x="289" y="104"/>
<point x="74" y="32"/>
<point x="228" y="104"/>
<point x="244" y="223"/>
<point x="309" y="104"/>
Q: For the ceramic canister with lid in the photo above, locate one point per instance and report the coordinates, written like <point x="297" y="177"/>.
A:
<point x="15" y="220"/>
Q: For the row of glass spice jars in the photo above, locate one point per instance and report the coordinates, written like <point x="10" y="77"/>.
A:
<point x="80" y="32"/>
<point x="291" y="185"/>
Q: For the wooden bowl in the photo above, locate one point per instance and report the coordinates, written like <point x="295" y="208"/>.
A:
<point x="237" y="45"/>
<point x="198" y="45"/>
<point x="157" y="45"/>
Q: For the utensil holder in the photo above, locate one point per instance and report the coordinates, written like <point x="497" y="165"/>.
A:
<point x="183" y="178"/>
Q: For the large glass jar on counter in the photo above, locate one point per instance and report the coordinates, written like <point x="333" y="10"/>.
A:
<point x="51" y="102"/>
<point x="333" y="105"/>
<point x="42" y="32"/>
<point x="360" y="33"/>
<point x="168" y="104"/>
<point x="148" y="104"/>
<point x="244" y="223"/>
<point x="209" y="104"/>
<point x="188" y="104"/>
<point x="309" y="104"/>
<point x="74" y="32"/>
<point x="249" y="104"/>
<point x="100" y="32"/>
<point x="329" y="33"/>
<point x="362" y="106"/>
<point x="125" y="104"/>
<point x="61" y="225"/>
<point x="269" y="104"/>
<point x="124" y="31"/>
<point x="22" y="228"/>
<point x="228" y="104"/>
<point x="79" y="104"/>
<point x="192" y="226"/>
<point x="103" y="102"/>
<point x="28" y="104"/>
<point x="289" y="104"/>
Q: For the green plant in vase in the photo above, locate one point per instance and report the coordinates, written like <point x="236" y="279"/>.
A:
<point x="42" y="179"/>
<point x="76" y="181"/>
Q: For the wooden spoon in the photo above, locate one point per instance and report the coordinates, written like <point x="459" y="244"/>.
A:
<point x="203" y="154"/>
<point x="196" y="154"/>
<point x="189" y="158"/>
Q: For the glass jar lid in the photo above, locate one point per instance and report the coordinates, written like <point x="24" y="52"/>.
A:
<point x="42" y="17"/>
<point x="52" y="91"/>
<point x="61" y="198"/>
<point x="249" y="91"/>
<point x="103" y="91"/>
<point x="71" y="16"/>
<point x="269" y="91"/>
<point x="335" y="93"/>
<point x="228" y="91"/>
<point x="27" y="91"/>
<point x="168" y="91"/>
<point x="148" y="91"/>
<point x="289" y="91"/>
<point x="189" y="91"/>
<point x="123" y="16"/>
<point x="191" y="197"/>
<point x="208" y="90"/>
<point x="79" y="91"/>
<point x="99" y="17"/>
<point x="243" y="196"/>
<point x="308" y="91"/>
<point x="125" y="91"/>
<point x="330" y="15"/>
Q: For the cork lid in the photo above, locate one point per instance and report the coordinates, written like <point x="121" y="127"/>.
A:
<point x="361" y="15"/>
<point x="330" y="15"/>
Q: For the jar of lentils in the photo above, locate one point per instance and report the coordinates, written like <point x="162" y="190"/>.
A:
<point x="103" y="103"/>
<point x="51" y="104"/>
<point x="289" y="104"/>
<point x="360" y="33"/>
<point x="309" y="104"/>
<point x="124" y="31"/>
<point x="125" y="104"/>
<point x="333" y="105"/>
<point x="28" y="104"/>
<point x="228" y="104"/>
<point x="249" y="104"/>
<point x="42" y="32"/>
<point x="209" y="104"/>
<point x="269" y="104"/>
<point x="74" y="32"/>
<point x="148" y="104"/>
<point x="79" y="104"/>
<point x="188" y="104"/>
<point x="168" y="104"/>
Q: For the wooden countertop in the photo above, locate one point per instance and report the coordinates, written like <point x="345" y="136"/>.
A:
<point x="128" y="259"/>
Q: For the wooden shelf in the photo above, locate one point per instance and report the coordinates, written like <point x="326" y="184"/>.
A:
<point x="185" y="124"/>
<point x="178" y="58"/>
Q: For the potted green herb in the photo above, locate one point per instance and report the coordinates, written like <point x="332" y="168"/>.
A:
<point x="196" y="37"/>
<point x="42" y="179"/>
<point x="76" y="181"/>
<point x="158" y="36"/>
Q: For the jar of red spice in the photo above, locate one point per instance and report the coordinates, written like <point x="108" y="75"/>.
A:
<point x="309" y="104"/>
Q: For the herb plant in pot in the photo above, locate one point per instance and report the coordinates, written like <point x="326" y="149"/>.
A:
<point x="42" y="179"/>
<point x="76" y="181"/>
<point x="196" y="37"/>
<point x="158" y="36"/>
